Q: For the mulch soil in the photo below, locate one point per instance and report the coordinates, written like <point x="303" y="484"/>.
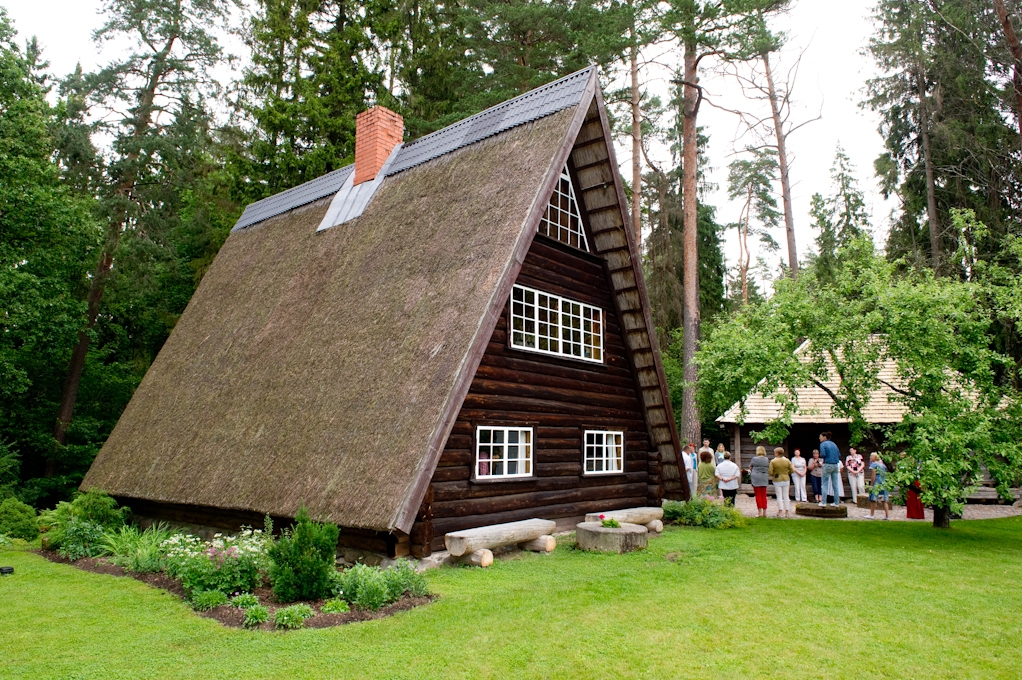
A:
<point x="233" y="616"/>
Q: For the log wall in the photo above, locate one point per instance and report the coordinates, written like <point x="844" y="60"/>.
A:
<point x="559" y="397"/>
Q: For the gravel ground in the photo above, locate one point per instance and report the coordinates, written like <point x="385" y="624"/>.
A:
<point x="747" y="505"/>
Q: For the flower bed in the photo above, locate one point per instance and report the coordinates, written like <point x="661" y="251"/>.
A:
<point x="250" y="579"/>
<point x="234" y="616"/>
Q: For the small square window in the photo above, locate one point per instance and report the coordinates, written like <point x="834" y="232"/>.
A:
<point x="604" y="452"/>
<point x="503" y="452"/>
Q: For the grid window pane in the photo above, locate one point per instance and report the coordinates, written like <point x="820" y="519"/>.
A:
<point x="503" y="452"/>
<point x="562" y="220"/>
<point x="604" y="452"/>
<point x="554" y="325"/>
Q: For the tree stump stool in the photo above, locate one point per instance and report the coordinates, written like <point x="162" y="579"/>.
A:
<point x="814" y="510"/>
<point x="626" y="538"/>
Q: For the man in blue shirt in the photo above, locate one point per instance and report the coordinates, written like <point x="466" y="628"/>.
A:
<point x="831" y="471"/>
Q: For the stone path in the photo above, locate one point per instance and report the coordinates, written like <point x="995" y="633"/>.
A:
<point x="747" y="506"/>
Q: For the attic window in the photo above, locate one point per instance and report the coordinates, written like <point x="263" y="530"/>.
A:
<point x="562" y="220"/>
<point x="604" y="452"/>
<point x="541" y="322"/>
<point x="503" y="452"/>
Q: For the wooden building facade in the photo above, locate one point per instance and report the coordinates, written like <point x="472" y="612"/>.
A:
<point x="461" y="338"/>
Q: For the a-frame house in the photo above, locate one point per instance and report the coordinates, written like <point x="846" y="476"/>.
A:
<point x="452" y="332"/>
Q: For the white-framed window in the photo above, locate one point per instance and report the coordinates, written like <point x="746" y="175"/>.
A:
<point x="562" y="220"/>
<point x="503" y="452"/>
<point x="542" y="322"/>
<point x="604" y="452"/>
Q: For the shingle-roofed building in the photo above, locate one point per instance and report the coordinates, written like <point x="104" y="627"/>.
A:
<point x="814" y="414"/>
<point x="462" y="339"/>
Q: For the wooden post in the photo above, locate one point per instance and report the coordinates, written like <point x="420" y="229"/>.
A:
<point x="736" y="448"/>
<point x="421" y="535"/>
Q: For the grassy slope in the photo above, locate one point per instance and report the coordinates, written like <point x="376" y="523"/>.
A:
<point x="779" y="599"/>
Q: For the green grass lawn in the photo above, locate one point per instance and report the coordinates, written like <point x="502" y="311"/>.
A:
<point x="801" y="599"/>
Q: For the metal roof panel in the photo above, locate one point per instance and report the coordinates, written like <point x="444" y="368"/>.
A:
<point x="295" y="197"/>
<point x="533" y="105"/>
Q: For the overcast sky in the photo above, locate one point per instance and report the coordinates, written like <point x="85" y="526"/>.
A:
<point x="830" y="82"/>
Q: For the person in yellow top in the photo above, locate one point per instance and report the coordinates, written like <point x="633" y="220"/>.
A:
<point x="780" y="472"/>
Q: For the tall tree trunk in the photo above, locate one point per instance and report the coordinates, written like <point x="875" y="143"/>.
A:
<point x="1015" y="48"/>
<point x="69" y="395"/>
<point x="633" y="59"/>
<point x="690" y="421"/>
<point x="782" y="160"/>
<point x="744" y="256"/>
<point x="141" y="126"/>
<point x="931" y="193"/>
<point x="941" y="518"/>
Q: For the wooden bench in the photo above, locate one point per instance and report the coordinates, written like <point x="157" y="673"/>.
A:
<point x="475" y="546"/>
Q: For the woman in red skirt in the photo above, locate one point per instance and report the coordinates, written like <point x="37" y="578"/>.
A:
<point x="759" y="476"/>
<point x="913" y="505"/>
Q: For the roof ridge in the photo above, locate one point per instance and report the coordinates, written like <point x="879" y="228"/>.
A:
<point x="504" y="104"/>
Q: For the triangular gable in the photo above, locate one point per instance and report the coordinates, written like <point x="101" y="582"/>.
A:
<point x="589" y="145"/>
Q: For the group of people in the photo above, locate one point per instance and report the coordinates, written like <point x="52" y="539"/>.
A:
<point x="713" y="475"/>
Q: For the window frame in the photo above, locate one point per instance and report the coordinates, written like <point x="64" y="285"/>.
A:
<point x="605" y="459"/>
<point x="541" y="325"/>
<point x="552" y="229"/>
<point x="529" y="460"/>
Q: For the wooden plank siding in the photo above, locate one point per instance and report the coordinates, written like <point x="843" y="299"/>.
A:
<point x="605" y="216"/>
<point x="559" y="397"/>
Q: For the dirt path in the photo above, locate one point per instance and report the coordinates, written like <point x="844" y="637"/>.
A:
<point x="747" y="505"/>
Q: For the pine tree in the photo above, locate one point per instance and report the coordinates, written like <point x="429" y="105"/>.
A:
<point x="751" y="181"/>
<point x="310" y="75"/>
<point x="137" y="101"/>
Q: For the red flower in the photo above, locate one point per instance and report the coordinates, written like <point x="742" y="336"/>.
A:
<point x="601" y="516"/>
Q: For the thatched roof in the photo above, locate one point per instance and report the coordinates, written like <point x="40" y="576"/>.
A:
<point x="814" y="402"/>
<point x="326" y="369"/>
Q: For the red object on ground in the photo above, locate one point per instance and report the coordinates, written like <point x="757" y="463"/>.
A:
<point x="914" y="506"/>
<point x="761" y="498"/>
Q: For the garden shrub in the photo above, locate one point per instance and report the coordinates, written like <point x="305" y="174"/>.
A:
<point x="17" y="520"/>
<point x="204" y="600"/>
<point x="365" y="587"/>
<point x="256" y="615"/>
<point x="82" y="538"/>
<point x="403" y="578"/>
<point x="6" y="542"/>
<point x="335" y="606"/>
<point x="229" y="564"/>
<point x="703" y="513"/>
<point x="292" y="617"/>
<point x="138" y="551"/>
<point x="94" y="506"/>
<point x="244" y="601"/>
<point x="303" y="560"/>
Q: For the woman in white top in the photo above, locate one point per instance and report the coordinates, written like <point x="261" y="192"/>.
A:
<point x="798" y="479"/>
<point x="730" y="476"/>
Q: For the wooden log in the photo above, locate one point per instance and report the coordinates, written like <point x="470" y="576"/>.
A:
<point x="479" y="558"/>
<point x="656" y="526"/>
<point x="630" y="515"/>
<point x="541" y="544"/>
<point x="463" y="542"/>
<point x="600" y="496"/>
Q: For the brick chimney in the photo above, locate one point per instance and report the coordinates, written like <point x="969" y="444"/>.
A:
<point x="377" y="132"/>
